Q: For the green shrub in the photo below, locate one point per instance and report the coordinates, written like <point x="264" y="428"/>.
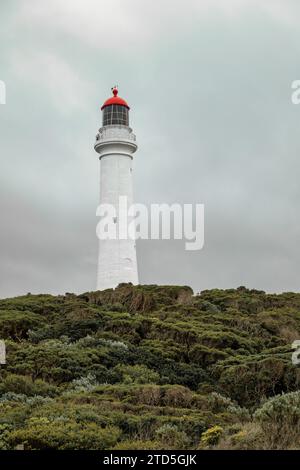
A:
<point x="4" y="434"/>
<point x="212" y="436"/>
<point x="84" y="384"/>
<point x="178" y="396"/>
<point x="218" y="402"/>
<point x="21" y="384"/>
<point x="279" y="418"/>
<point x="42" y="434"/>
<point x="171" y="438"/>
<point x="247" y="437"/>
<point x="16" y="324"/>
<point x="138" y="374"/>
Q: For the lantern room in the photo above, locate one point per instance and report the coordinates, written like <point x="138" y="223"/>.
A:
<point x="115" y="111"/>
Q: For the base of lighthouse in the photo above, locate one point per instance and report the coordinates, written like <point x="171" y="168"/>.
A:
<point x="117" y="261"/>
<point x="116" y="264"/>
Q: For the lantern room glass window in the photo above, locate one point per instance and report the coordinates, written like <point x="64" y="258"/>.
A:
<point x="115" y="114"/>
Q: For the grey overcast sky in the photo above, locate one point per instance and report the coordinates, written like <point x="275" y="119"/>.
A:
<point x="209" y="85"/>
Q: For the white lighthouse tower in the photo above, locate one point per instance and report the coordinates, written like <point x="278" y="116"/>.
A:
<point x="116" y="144"/>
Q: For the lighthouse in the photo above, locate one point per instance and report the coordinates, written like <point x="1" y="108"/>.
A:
<point x="116" y="144"/>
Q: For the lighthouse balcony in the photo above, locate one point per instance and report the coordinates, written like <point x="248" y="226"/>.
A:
<point x="115" y="132"/>
<point x="115" y="139"/>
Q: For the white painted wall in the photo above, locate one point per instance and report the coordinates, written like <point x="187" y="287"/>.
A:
<point x="117" y="260"/>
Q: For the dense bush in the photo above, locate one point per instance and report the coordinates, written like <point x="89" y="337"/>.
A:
<point x="150" y="367"/>
<point x="280" y="420"/>
<point x="139" y="374"/>
<point x="40" y="433"/>
<point x="25" y="385"/>
<point x="212" y="436"/>
<point x="171" y="438"/>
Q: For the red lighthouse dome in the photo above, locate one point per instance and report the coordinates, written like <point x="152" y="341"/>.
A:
<point x="115" y="111"/>
<point x="115" y="99"/>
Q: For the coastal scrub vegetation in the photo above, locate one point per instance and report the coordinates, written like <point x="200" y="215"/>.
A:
<point x="150" y="367"/>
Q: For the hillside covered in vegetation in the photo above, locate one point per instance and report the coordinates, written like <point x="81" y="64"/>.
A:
<point x="150" y="367"/>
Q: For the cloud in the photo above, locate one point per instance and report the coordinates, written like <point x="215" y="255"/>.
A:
<point x="102" y="24"/>
<point x="67" y="91"/>
<point x="209" y="85"/>
<point x="276" y="9"/>
<point x="134" y="24"/>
